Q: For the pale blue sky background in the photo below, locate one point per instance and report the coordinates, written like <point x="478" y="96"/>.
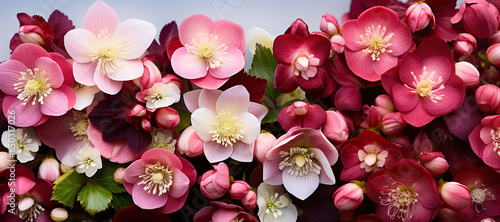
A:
<point x="274" y="16"/>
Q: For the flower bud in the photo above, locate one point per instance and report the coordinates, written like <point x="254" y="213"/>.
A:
<point x="167" y="117"/>
<point x="250" y="200"/>
<point x="488" y="98"/>
<point x="150" y="76"/>
<point x="449" y="215"/>
<point x="465" y="45"/>
<point x="5" y="161"/>
<point x="298" y="27"/>
<point x="348" y="197"/>
<point x="418" y="16"/>
<point x="468" y="73"/>
<point x="49" y="170"/>
<point x="335" y="127"/>
<point x="384" y="104"/>
<point x="301" y="114"/>
<point x="479" y="17"/>
<point x="190" y="143"/>
<point x="400" y="140"/>
<point x="59" y="214"/>
<point x="215" y="183"/>
<point x="329" y="25"/>
<point x="31" y="34"/>
<point x="495" y="38"/>
<point x="137" y="111"/>
<point x="434" y="162"/>
<point x="25" y="203"/>
<point x="493" y="54"/>
<point x="337" y="44"/>
<point x="393" y="123"/>
<point x="118" y="175"/>
<point x="239" y="189"/>
<point x="455" y="195"/>
<point x="263" y="144"/>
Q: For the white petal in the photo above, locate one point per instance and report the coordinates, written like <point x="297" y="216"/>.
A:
<point x="204" y="121"/>
<point x="289" y="213"/>
<point x="131" y="69"/>
<point x="78" y="43"/>
<point x="242" y="152"/>
<point x="85" y="96"/>
<point x="301" y="187"/>
<point x="235" y="100"/>
<point x="215" y="152"/>
<point x="251" y="127"/>
<point x="137" y="34"/>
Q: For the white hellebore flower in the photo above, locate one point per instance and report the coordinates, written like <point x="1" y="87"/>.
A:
<point x="257" y="35"/>
<point x="89" y="160"/>
<point x="24" y="140"/>
<point x="274" y="204"/>
<point x="162" y="95"/>
<point x="162" y="140"/>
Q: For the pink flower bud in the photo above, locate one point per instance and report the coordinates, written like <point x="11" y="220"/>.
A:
<point x="5" y="161"/>
<point x="418" y="16"/>
<point x="190" y="143"/>
<point x="393" y="123"/>
<point x="151" y="75"/>
<point x="263" y="144"/>
<point x="59" y="214"/>
<point x="118" y="175"/>
<point x="468" y="73"/>
<point x="465" y="45"/>
<point x="49" y="170"/>
<point x="337" y="44"/>
<point x="329" y="25"/>
<point x="215" y="183"/>
<point x="239" y="189"/>
<point x="250" y="200"/>
<point x="495" y="38"/>
<point x="488" y="98"/>
<point x="348" y="197"/>
<point x="301" y="114"/>
<point x="146" y="125"/>
<point x="455" y="195"/>
<point x="31" y="34"/>
<point x="298" y="27"/>
<point x="384" y="104"/>
<point x="167" y="117"/>
<point x="335" y="127"/>
<point x="493" y="54"/>
<point x="479" y="17"/>
<point x="434" y="162"/>
<point x="137" y="111"/>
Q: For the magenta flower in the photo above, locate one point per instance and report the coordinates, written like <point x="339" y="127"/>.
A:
<point x="222" y="212"/>
<point x="215" y="183"/>
<point x="405" y="192"/>
<point x="302" y="114"/>
<point x="485" y="141"/>
<point x="211" y="53"/>
<point x="227" y="122"/>
<point x="36" y="85"/>
<point x="300" y="61"/>
<point x="159" y="179"/>
<point x="426" y="86"/>
<point x="479" y="17"/>
<point x="300" y="160"/>
<point x="107" y="52"/>
<point x="367" y="153"/>
<point x="374" y="42"/>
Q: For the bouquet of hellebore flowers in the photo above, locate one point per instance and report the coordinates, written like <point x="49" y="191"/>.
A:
<point x="400" y="102"/>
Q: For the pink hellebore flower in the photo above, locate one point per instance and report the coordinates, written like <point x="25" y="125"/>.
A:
<point x="107" y="52"/>
<point x="35" y="84"/>
<point x="480" y="18"/>
<point x="211" y="51"/>
<point x="405" y="192"/>
<point x="485" y="141"/>
<point x="426" y="86"/>
<point x="223" y="212"/>
<point x="215" y="183"/>
<point x="159" y="179"/>
<point x="227" y="122"/>
<point x="375" y="41"/>
<point x="302" y="114"/>
<point x="367" y="153"/>
<point x="300" y="160"/>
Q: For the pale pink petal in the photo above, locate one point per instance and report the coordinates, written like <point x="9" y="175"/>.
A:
<point x="271" y="172"/>
<point x="22" y="185"/>
<point x="84" y="73"/>
<point x="133" y="171"/>
<point x="251" y="127"/>
<point x="52" y="69"/>
<point x="28" y="53"/>
<point x="208" y="98"/>
<point x="440" y="65"/>
<point x="230" y="34"/>
<point x="242" y="152"/>
<point x="203" y="121"/>
<point x="180" y="184"/>
<point x="188" y="65"/>
<point x="78" y="44"/>
<point x="191" y="99"/>
<point x="10" y="71"/>
<point x="100" y="17"/>
<point x="131" y="69"/>
<point x="85" y="96"/>
<point x="26" y="115"/>
<point x="209" y="82"/>
<point x="326" y="174"/>
<point x="161" y="156"/>
<point x="56" y="104"/>
<point x="301" y="187"/>
<point x="66" y="150"/>
<point x="137" y="36"/>
<point x="194" y="25"/>
<point x="258" y="110"/>
<point x="451" y="100"/>
<point x="216" y="152"/>
<point x="146" y="200"/>
<point x="233" y="62"/>
<point x="418" y="116"/>
<point x="105" y="84"/>
<point x="235" y="100"/>
<point x="387" y="61"/>
<point x="404" y="99"/>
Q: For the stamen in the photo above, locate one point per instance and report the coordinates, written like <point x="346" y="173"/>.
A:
<point x="495" y="136"/>
<point x="275" y="203"/>
<point x="31" y="213"/>
<point x="300" y="162"/>
<point x="480" y="195"/>
<point x="34" y="86"/>
<point x="401" y="203"/>
<point x="206" y="49"/>
<point x="376" y="41"/>
<point x="229" y="129"/>
<point x="424" y="86"/>
<point x="79" y="129"/>
<point x="157" y="178"/>
<point x="106" y="51"/>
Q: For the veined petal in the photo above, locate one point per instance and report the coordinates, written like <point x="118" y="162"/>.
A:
<point x="326" y="174"/>
<point x="10" y="71"/>
<point x="52" y="69"/>
<point x="235" y="100"/>
<point x="242" y="152"/>
<point x="180" y="184"/>
<point x="188" y="65"/>
<point x="203" y="121"/>
<point x="78" y="44"/>
<point x="301" y="187"/>
<point x="146" y="200"/>
<point x="450" y="101"/>
<point x="28" y="53"/>
<point x="162" y="156"/>
<point x="100" y="17"/>
<point x="137" y="37"/>
<point x="85" y="96"/>
<point x="418" y="116"/>
<point x="191" y="99"/>
<point x="131" y="69"/>
<point x="192" y="26"/>
<point x="133" y="171"/>
<point x="208" y="98"/>
<point x="84" y="73"/>
<point x="229" y="33"/>
<point x="271" y="172"/>
<point x="26" y="115"/>
<point x="106" y="84"/>
<point x="258" y="110"/>
<point x="361" y="64"/>
<point x="440" y="65"/>
<point x="404" y="99"/>
<point x="216" y="152"/>
<point x="56" y="104"/>
<point x="233" y="62"/>
<point x="251" y="127"/>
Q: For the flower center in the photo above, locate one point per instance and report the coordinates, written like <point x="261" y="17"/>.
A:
<point x="371" y="158"/>
<point x="106" y="52"/>
<point x="28" y="209"/>
<point x="479" y="196"/>
<point x="426" y="86"/>
<point x="495" y="135"/>
<point x="275" y="203"/>
<point x="376" y="42"/>
<point x="206" y="49"/>
<point x="33" y="85"/>
<point x="229" y="129"/>
<point x="401" y="203"/>
<point x="21" y="143"/>
<point x="79" y="129"/>
<point x="157" y="178"/>
<point x="299" y="162"/>
<point x="304" y="65"/>
<point x="87" y="163"/>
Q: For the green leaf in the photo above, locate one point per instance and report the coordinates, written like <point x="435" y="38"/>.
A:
<point x="271" y="116"/>
<point x="105" y="178"/>
<point x="66" y="188"/>
<point x="94" y="198"/>
<point x="120" y="200"/>
<point x="263" y="66"/>
<point x="185" y="120"/>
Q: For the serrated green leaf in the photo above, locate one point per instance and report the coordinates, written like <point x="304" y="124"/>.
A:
<point x="66" y="188"/>
<point x="94" y="198"/>
<point x="263" y="66"/>
<point x="120" y="200"/>
<point x="185" y="120"/>
<point x="105" y="178"/>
